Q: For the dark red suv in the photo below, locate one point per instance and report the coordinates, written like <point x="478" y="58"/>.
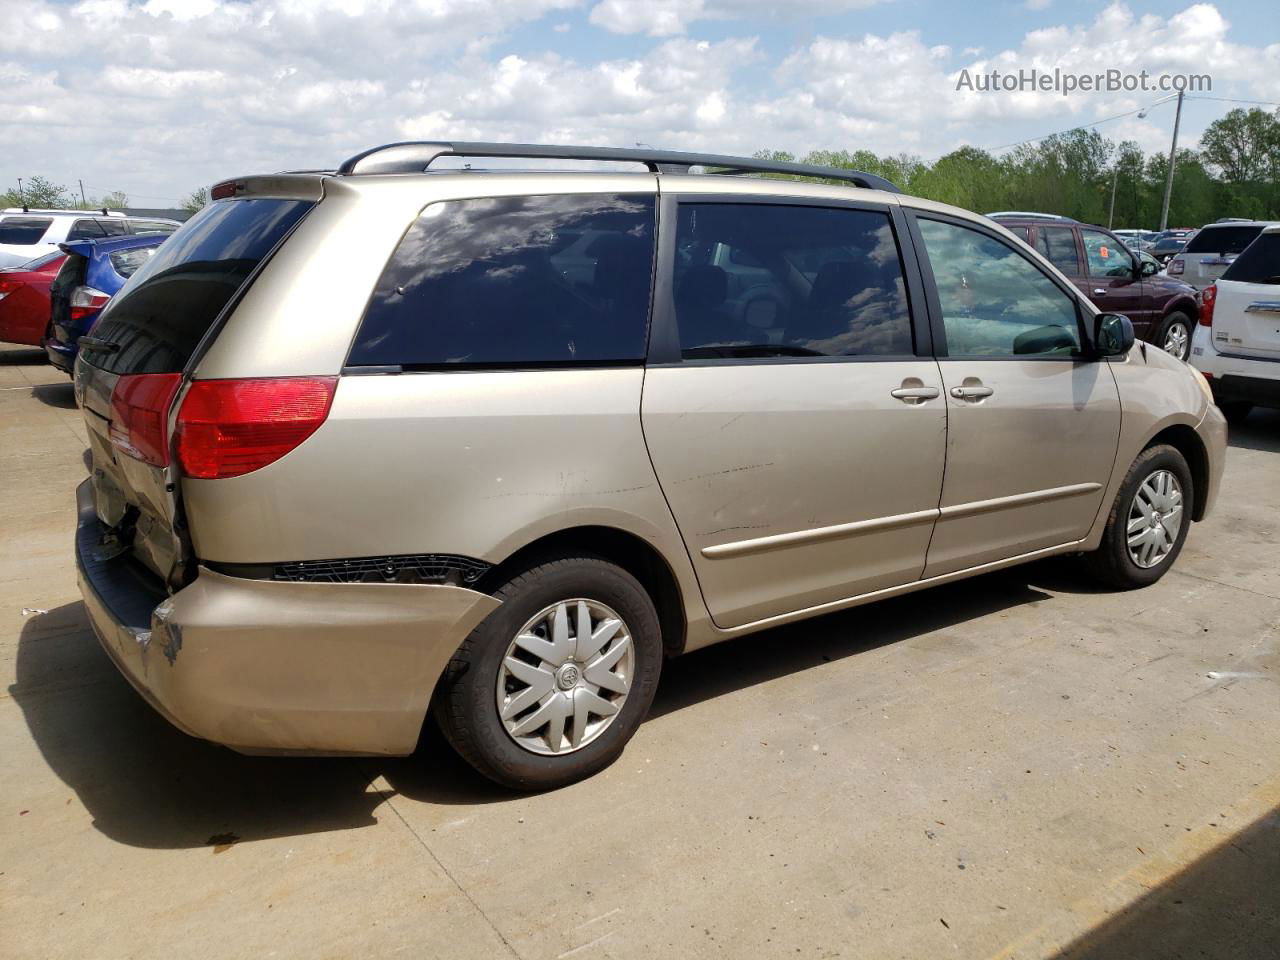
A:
<point x="1163" y="310"/>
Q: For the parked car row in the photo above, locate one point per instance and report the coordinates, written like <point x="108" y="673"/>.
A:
<point x="53" y="300"/>
<point x="1163" y="310"/>
<point x="27" y="234"/>
<point x="541" y="438"/>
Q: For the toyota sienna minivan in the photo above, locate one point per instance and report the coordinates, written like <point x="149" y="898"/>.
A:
<point x="393" y="441"/>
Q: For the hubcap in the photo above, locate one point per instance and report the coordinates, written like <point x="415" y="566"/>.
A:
<point x="565" y="676"/>
<point x="1155" y="517"/>
<point x="1176" y="340"/>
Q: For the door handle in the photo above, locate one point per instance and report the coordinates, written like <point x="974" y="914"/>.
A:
<point x="1099" y="292"/>
<point x="914" y="394"/>
<point x="971" y="393"/>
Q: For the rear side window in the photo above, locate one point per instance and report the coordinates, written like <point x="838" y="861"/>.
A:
<point x="1058" y="246"/>
<point x="515" y="281"/>
<point x="173" y="299"/>
<point x="764" y="280"/>
<point x="1260" y="262"/>
<point x="23" y="230"/>
<point x="127" y="262"/>
<point x="1222" y="240"/>
<point x="96" y="229"/>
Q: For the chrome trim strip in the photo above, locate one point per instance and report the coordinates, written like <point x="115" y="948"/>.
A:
<point x="1018" y="500"/>
<point x="741" y="548"/>
<point x="1263" y="306"/>
<point x="887" y="592"/>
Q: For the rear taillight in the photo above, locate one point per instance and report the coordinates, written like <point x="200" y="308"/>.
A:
<point x="86" y="301"/>
<point x="1176" y="266"/>
<point x="8" y="286"/>
<point x="139" y="415"/>
<point x="1208" y="297"/>
<point x="227" y="428"/>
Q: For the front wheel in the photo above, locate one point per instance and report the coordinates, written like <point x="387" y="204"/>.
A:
<point x="552" y="685"/>
<point x="1148" y="522"/>
<point x="1175" y="335"/>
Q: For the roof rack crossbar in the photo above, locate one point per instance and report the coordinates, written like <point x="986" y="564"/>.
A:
<point x="416" y="157"/>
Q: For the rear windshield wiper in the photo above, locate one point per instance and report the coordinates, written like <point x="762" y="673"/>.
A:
<point x="97" y="343"/>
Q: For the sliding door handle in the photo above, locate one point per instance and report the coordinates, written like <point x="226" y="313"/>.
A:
<point x="971" y="393"/>
<point x="914" y="394"/>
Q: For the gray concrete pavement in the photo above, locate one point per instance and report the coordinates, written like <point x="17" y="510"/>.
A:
<point x="1015" y="766"/>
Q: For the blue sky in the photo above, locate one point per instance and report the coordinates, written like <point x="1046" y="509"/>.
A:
<point x="156" y="97"/>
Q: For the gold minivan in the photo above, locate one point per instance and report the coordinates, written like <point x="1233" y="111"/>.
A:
<point x="490" y="444"/>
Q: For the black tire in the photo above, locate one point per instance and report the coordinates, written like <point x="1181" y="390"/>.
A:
<point x="465" y="705"/>
<point x="1111" y="563"/>
<point x="1236" y="411"/>
<point x="1179" y="319"/>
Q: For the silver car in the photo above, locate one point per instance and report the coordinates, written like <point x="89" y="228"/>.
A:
<point x="384" y="442"/>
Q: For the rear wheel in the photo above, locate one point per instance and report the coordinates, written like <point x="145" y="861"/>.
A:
<point x="1175" y="335"/>
<point x="552" y="685"/>
<point x="1148" y="523"/>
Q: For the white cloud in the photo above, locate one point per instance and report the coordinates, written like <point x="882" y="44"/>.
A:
<point x="158" y="97"/>
<point x="664" y="18"/>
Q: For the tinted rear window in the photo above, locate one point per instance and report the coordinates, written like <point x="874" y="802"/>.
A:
<point x="96" y="229"/>
<point x="515" y="281"/>
<point x="1260" y="262"/>
<point x="152" y="226"/>
<point x="1222" y="240"/>
<point x="23" y="230"/>
<point x="172" y="300"/>
<point x="43" y="261"/>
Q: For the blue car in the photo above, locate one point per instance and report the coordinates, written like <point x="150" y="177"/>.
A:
<point x="92" y="274"/>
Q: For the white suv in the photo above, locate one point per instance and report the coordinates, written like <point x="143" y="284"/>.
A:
<point x="27" y="234"/>
<point x="1237" y="344"/>
<point x="1208" y="254"/>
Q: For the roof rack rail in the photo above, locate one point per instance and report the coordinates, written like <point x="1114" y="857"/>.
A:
<point x="416" y="157"/>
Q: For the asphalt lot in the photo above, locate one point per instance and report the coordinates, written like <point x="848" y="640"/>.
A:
<point x="1015" y="766"/>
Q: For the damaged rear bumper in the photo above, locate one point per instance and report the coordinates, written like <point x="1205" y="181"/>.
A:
<point x="269" y="667"/>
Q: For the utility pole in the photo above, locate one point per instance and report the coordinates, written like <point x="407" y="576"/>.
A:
<point x="21" y="197"/>
<point x="1168" y="180"/>
<point x="82" y="199"/>
<point x="1115" y="176"/>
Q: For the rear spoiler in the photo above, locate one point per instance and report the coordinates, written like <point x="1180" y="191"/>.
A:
<point x="287" y="186"/>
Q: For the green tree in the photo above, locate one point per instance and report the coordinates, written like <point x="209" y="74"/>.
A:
<point x="37" y="191"/>
<point x="1244" y="145"/>
<point x="196" y="199"/>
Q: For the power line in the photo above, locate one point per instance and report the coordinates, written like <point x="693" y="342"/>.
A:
<point x="1261" y="103"/>
<point x="127" y="192"/>
<point x="1080" y="126"/>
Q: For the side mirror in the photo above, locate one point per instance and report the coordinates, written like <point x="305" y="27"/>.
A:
<point x="1148" y="268"/>
<point x="1112" y="334"/>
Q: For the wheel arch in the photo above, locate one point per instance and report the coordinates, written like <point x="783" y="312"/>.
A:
<point x="1184" y="305"/>
<point x="1186" y="441"/>
<point x="630" y="552"/>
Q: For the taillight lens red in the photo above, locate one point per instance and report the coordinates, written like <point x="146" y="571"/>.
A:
<point x="8" y="286"/>
<point x="139" y="415"/>
<point x="227" y="428"/>
<point x="86" y="301"/>
<point x="1208" y="297"/>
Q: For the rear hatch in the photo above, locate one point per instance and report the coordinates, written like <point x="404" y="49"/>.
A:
<point x="70" y="277"/>
<point x="1246" y="315"/>
<point x="1208" y="254"/>
<point x="139" y="358"/>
